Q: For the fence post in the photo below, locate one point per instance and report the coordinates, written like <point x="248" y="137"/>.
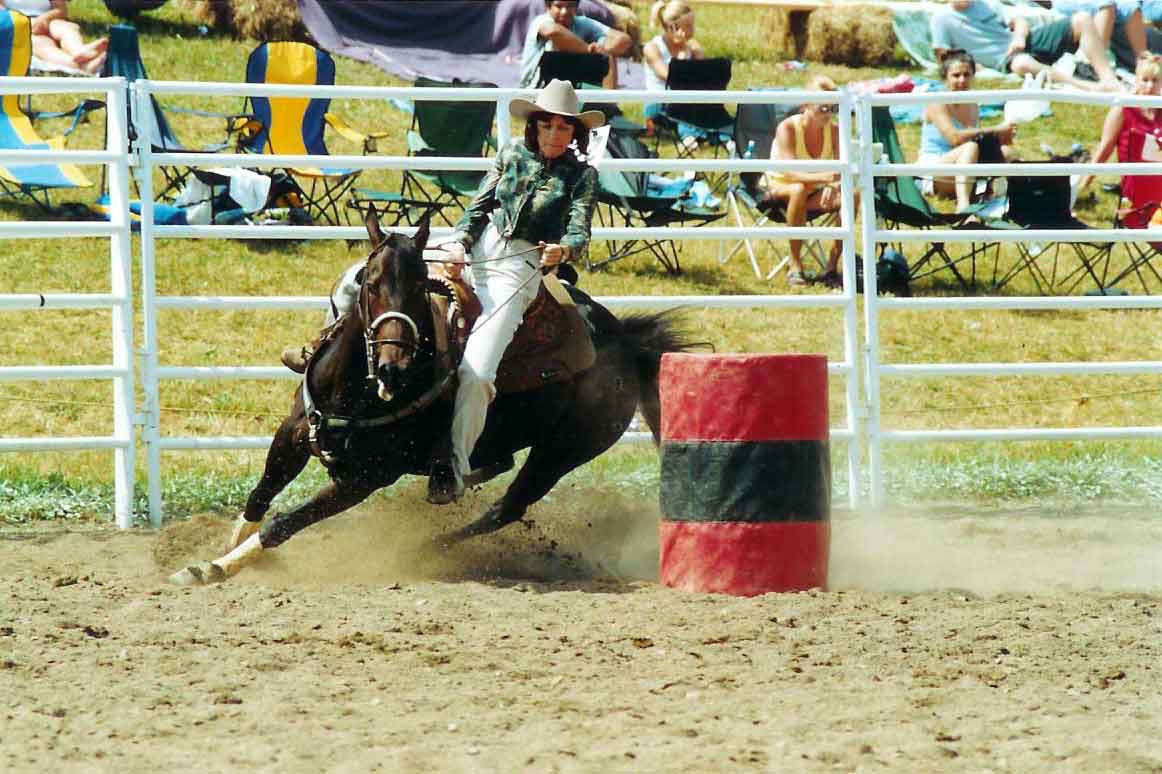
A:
<point x="847" y="213"/>
<point x="871" y="425"/>
<point x="151" y="407"/>
<point x="120" y="258"/>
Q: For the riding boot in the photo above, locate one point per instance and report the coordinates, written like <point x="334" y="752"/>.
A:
<point x="297" y="358"/>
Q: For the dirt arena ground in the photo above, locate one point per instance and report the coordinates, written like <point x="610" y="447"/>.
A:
<point x="949" y="641"/>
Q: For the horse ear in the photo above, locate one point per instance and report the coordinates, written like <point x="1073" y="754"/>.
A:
<point x="423" y="231"/>
<point x="371" y="221"/>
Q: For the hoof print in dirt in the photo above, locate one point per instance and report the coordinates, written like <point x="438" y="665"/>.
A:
<point x="202" y="574"/>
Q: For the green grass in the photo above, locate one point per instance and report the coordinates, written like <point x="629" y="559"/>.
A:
<point x="68" y="485"/>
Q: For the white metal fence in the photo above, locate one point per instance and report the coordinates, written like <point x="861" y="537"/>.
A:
<point x="856" y="166"/>
<point x="119" y="299"/>
<point x="877" y="371"/>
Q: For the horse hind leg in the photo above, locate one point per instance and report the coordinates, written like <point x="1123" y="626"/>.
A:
<point x="545" y="466"/>
<point x="286" y="459"/>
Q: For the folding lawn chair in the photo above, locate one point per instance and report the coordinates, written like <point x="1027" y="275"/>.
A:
<point x="1145" y="196"/>
<point x="1044" y="203"/>
<point x="624" y="199"/>
<point x="294" y="125"/>
<point x="439" y="128"/>
<point x="746" y="201"/>
<point x="123" y="59"/>
<point x="708" y="121"/>
<point x="899" y="202"/>
<point x="31" y="181"/>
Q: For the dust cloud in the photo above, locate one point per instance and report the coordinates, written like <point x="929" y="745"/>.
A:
<point x="586" y="535"/>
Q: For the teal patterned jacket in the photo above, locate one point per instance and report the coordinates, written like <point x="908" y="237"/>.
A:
<point x="534" y="201"/>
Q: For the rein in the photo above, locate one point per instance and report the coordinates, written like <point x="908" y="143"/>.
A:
<point x="481" y="260"/>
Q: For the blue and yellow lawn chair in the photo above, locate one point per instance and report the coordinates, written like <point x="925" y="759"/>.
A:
<point x="294" y="125"/>
<point x="33" y="181"/>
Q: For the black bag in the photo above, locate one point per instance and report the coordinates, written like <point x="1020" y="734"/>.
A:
<point x="990" y="150"/>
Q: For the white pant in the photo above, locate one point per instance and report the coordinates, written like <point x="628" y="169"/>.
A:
<point x="505" y="287"/>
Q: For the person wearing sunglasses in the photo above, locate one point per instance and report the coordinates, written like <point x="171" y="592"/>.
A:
<point x="951" y="133"/>
<point x="811" y="134"/>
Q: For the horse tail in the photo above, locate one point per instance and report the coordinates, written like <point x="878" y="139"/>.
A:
<point x="646" y="337"/>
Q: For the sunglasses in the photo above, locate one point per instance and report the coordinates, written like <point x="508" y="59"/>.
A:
<point x="828" y="108"/>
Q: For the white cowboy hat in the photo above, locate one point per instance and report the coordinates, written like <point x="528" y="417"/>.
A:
<point x="558" y="98"/>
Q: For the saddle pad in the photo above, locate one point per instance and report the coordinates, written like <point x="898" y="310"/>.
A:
<point x="551" y="345"/>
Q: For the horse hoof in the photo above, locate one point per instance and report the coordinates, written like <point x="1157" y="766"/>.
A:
<point x="198" y="575"/>
<point x="241" y="531"/>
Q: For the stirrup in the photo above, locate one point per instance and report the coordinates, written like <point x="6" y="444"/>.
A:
<point x="444" y="485"/>
<point x="297" y="358"/>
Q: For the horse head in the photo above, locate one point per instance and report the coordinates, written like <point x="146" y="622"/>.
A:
<point x="393" y="304"/>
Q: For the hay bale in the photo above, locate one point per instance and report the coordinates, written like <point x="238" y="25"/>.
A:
<point x="779" y="32"/>
<point x="859" y="36"/>
<point x="263" y="20"/>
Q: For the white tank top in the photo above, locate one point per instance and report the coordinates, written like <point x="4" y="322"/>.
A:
<point x="653" y="82"/>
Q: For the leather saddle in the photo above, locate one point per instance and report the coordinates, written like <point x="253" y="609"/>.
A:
<point x="552" y="344"/>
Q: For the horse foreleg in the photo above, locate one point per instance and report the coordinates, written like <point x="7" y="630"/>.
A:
<point x="330" y="500"/>
<point x="288" y="455"/>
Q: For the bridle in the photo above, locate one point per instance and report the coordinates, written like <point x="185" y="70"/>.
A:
<point x="371" y="344"/>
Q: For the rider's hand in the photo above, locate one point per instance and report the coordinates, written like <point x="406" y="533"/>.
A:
<point x="1016" y="46"/>
<point x="551" y="254"/>
<point x="454" y="252"/>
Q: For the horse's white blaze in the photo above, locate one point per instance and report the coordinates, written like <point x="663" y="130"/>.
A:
<point x="384" y="394"/>
<point x="241" y="556"/>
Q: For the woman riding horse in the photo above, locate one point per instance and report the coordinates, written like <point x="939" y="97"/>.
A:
<point x="538" y="198"/>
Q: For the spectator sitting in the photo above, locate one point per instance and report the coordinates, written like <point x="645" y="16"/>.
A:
<point x="676" y="18"/>
<point x="561" y="28"/>
<point x="951" y="133"/>
<point x="1108" y="15"/>
<point x="56" y="40"/>
<point x="809" y="134"/>
<point x="981" y="27"/>
<point x="1129" y="129"/>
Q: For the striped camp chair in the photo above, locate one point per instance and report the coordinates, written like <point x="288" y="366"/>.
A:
<point x="294" y="125"/>
<point x="33" y="181"/>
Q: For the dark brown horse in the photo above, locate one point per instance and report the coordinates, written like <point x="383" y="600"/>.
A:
<point x="374" y="406"/>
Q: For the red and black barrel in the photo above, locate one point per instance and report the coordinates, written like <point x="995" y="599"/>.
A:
<point x="746" y="473"/>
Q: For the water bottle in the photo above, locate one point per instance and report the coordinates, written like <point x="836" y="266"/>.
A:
<point x="749" y="154"/>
